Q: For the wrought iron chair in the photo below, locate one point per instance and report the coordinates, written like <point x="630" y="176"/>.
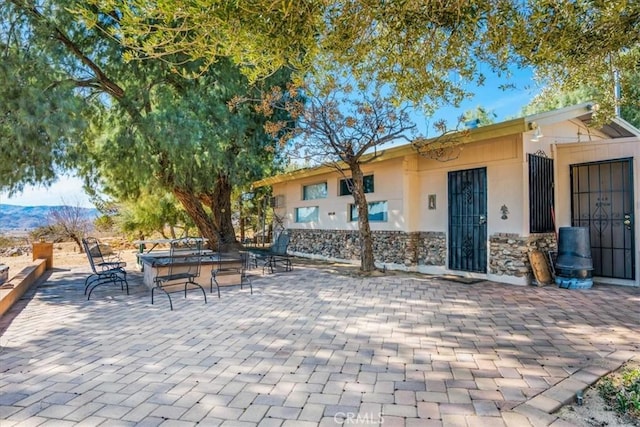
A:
<point x="183" y="268"/>
<point x="277" y="253"/>
<point x="105" y="268"/>
<point x="231" y="266"/>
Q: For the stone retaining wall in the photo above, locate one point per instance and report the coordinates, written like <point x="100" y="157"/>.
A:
<point x="389" y="247"/>
<point x="508" y="252"/>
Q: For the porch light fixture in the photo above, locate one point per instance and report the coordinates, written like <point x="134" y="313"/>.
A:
<point x="537" y="134"/>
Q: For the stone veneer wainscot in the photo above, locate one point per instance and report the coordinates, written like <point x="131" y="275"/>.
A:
<point x="509" y="253"/>
<point x="389" y="247"/>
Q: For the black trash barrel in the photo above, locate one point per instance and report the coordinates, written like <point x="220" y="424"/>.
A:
<point x="574" y="266"/>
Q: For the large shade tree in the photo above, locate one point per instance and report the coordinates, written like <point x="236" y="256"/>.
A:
<point x="589" y="44"/>
<point x="343" y="125"/>
<point x="629" y="98"/>
<point x="125" y="125"/>
<point x="418" y="47"/>
<point x="41" y="118"/>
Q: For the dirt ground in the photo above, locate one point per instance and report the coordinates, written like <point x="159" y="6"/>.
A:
<point x="592" y="413"/>
<point x="65" y="254"/>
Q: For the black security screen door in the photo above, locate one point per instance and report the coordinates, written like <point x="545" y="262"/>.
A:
<point x="468" y="220"/>
<point x="540" y="194"/>
<point x="602" y="200"/>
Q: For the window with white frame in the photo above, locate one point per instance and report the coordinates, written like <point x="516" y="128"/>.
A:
<point x="307" y="214"/>
<point x="314" y="191"/>
<point x="378" y="211"/>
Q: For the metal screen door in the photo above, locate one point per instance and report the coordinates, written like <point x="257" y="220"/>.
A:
<point x="602" y="200"/>
<point x="468" y="220"/>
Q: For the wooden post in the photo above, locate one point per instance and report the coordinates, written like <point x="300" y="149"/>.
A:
<point x="43" y="250"/>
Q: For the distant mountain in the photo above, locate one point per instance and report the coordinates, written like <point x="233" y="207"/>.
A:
<point x="28" y="217"/>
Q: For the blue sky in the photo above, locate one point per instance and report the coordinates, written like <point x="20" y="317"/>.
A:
<point x="65" y="191"/>
<point x="505" y="104"/>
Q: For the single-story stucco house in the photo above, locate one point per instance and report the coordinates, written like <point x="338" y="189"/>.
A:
<point x="475" y="203"/>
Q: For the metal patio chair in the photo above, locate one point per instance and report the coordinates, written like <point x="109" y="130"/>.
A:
<point x="183" y="268"/>
<point x="231" y="265"/>
<point x="105" y="268"/>
<point x="276" y="254"/>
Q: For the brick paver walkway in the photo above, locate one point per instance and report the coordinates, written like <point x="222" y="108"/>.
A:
<point x="310" y="348"/>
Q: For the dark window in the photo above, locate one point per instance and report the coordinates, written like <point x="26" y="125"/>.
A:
<point x="541" y="203"/>
<point x="345" y="185"/>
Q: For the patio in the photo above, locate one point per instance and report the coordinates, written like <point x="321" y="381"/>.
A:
<point x="310" y="347"/>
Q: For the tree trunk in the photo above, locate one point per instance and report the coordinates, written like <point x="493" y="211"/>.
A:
<point x="221" y="212"/>
<point x="78" y="242"/>
<point x="196" y="212"/>
<point x="242" y="220"/>
<point x="367" y="262"/>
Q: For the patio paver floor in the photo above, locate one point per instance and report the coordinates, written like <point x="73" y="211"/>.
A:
<point x="310" y="348"/>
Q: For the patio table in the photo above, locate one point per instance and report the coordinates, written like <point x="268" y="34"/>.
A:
<point x="142" y="246"/>
<point x="157" y="263"/>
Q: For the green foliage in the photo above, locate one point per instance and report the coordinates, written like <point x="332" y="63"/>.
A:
<point x="426" y="50"/>
<point x="125" y="125"/>
<point x="39" y="122"/>
<point x="104" y="223"/>
<point x="482" y="115"/>
<point x="187" y="138"/>
<point x="630" y="109"/>
<point x="551" y="98"/>
<point x="622" y="392"/>
<point x="577" y="44"/>
<point x="151" y="213"/>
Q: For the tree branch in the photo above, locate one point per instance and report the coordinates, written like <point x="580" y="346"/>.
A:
<point x="106" y="83"/>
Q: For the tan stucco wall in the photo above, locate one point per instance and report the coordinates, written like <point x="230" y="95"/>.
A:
<point x="568" y="132"/>
<point x="407" y="182"/>
<point x="503" y="161"/>
<point x="389" y="185"/>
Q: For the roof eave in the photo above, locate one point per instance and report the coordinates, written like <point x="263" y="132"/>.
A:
<point x="497" y="130"/>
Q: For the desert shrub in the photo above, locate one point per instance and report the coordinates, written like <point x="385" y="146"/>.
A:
<point x="104" y="223"/>
<point x="49" y="233"/>
<point x="6" y="242"/>
<point x="622" y="392"/>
